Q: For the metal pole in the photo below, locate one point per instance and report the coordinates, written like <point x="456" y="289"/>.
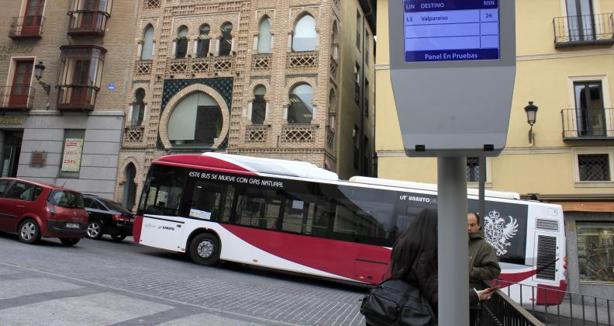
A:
<point x="482" y="179"/>
<point x="453" y="241"/>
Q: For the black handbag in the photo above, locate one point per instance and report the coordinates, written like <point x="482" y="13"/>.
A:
<point x="396" y="302"/>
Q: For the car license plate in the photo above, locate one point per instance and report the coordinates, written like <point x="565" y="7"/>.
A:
<point x="72" y="225"/>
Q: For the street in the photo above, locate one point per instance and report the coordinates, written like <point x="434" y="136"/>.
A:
<point x="108" y="283"/>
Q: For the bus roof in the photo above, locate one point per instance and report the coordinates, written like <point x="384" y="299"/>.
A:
<point x="429" y="187"/>
<point x="256" y="165"/>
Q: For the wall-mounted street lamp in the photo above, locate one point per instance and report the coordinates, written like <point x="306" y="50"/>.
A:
<point x="38" y="73"/>
<point x="531" y="111"/>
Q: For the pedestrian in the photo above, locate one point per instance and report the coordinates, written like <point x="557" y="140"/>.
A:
<point x="483" y="262"/>
<point x="414" y="260"/>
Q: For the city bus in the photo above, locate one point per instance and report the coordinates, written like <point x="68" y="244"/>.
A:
<point x="294" y="217"/>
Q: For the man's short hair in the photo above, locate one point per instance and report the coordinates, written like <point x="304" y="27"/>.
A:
<point x="477" y="217"/>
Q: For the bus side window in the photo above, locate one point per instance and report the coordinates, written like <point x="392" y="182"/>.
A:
<point x="295" y="215"/>
<point x="207" y="201"/>
<point x="259" y="208"/>
<point x="322" y="218"/>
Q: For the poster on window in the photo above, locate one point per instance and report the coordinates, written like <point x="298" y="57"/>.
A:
<point x="71" y="162"/>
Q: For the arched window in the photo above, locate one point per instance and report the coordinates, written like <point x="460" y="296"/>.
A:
<point x="332" y="109"/>
<point x="202" y="48"/>
<point x="264" y="35"/>
<point x="129" y="186"/>
<point x="304" y="37"/>
<point x="138" y="108"/>
<point x="300" y="109"/>
<point x="147" y="51"/>
<point x="259" y="105"/>
<point x="226" y="39"/>
<point x="335" y="42"/>
<point x="195" y="120"/>
<point x="181" y="44"/>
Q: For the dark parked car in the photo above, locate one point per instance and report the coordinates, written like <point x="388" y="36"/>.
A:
<point x="34" y="210"/>
<point x="107" y="217"/>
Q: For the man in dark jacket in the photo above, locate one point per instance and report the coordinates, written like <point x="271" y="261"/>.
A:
<point x="483" y="261"/>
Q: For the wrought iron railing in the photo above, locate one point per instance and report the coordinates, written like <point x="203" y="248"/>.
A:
<point x="26" y="26"/>
<point x="588" y="124"/>
<point x="87" y="22"/>
<point x="546" y="306"/>
<point x="583" y="30"/>
<point x="77" y="97"/>
<point x="16" y="97"/>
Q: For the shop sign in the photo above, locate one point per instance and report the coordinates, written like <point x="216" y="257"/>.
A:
<point x="38" y="159"/>
<point x="7" y="120"/>
<point x="73" y="147"/>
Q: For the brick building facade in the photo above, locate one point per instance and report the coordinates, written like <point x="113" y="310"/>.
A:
<point x="65" y="126"/>
<point x="283" y="79"/>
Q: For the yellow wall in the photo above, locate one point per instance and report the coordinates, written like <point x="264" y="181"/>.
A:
<point x="544" y="75"/>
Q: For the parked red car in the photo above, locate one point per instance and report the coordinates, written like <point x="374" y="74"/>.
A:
<point x="34" y="210"/>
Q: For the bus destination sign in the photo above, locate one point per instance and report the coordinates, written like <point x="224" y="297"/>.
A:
<point x="451" y="30"/>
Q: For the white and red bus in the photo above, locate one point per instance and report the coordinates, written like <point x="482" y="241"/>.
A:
<point x="293" y="216"/>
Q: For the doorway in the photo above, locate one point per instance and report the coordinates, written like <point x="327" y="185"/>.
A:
<point x="11" y="149"/>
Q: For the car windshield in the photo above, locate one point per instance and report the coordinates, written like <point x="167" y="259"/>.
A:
<point x="115" y="206"/>
<point x="68" y="199"/>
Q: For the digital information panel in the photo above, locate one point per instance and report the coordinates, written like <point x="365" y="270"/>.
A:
<point x="451" y="30"/>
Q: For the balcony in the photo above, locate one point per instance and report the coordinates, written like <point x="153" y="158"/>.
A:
<point x="87" y="22"/>
<point x="302" y="61"/>
<point x="571" y="31"/>
<point x="142" y="69"/>
<point x="26" y="27"/>
<point x="190" y="67"/>
<point x="257" y="133"/>
<point x="262" y="62"/>
<point x="294" y="134"/>
<point x="596" y="124"/>
<point x="77" y="97"/>
<point x="16" y="97"/>
<point x="134" y="135"/>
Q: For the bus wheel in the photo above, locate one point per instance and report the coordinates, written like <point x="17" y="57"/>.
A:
<point x="205" y="249"/>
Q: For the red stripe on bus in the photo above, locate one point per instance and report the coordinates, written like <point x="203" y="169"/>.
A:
<point x="136" y="228"/>
<point x="202" y="162"/>
<point x="359" y="262"/>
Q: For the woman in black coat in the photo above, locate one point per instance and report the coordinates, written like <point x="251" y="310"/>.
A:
<point x="414" y="259"/>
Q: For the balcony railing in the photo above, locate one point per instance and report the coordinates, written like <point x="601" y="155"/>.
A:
<point x="143" y="68"/>
<point x="584" y="30"/>
<point x="262" y="62"/>
<point x="134" y="135"/>
<point x="77" y="97"/>
<point x="256" y="133"/>
<point x="594" y="124"/>
<point x="299" y="133"/>
<point x="190" y="67"/>
<point x="87" y="22"/>
<point x="26" y="27"/>
<point x="302" y="61"/>
<point x="16" y="97"/>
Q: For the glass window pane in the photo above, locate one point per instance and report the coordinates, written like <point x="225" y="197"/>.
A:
<point x="147" y="52"/>
<point x="596" y="251"/>
<point x="264" y="36"/>
<point x="301" y="108"/>
<point x="304" y="37"/>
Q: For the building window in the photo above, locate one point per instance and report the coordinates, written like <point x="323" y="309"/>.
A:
<point x="226" y="39"/>
<point x="367" y="47"/>
<point x="18" y="94"/>
<point x="304" y="36"/>
<point x="596" y="251"/>
<point x="80" y="76"/>
<point x="264" y="35"/>
<point x="472" y="170"/>
<point x="89" y="17"/>
<point x="594" y="167"/>
<point x="181" y="43"/>
<point x="259" y="105"/>
<point x="72" y="151"/>
<point x="581" y="20"/>
<point x="195" y="121"/>
<point x="358" y="29"/>
<point x="335" y="42"/>
<point x="301" y="107"/>
<point x="357" y="83"/>
<point x="202" y="47"/>
<point x="30" y="24"/>
<point x="356" y="143"/>
<point x="590" y="112"/>
<point x="366" y="98"/>
<point x="147" y="51"/>
<point x="138" y="108"/>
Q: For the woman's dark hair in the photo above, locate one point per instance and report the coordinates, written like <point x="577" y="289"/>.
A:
<point x="418" y="241"/>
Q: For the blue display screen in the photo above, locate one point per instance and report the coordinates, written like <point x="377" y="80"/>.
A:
<point x="451" y="30"/>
